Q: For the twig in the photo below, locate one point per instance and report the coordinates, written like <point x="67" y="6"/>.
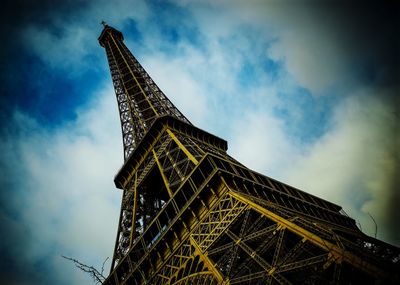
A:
<point x="376" y="225"/>
<point x="92" y="271"/>
<point x="102" y="267"/>
<point x="359" y="225"/>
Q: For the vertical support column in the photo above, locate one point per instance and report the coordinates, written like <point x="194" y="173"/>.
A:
<point x="134" y="211"/>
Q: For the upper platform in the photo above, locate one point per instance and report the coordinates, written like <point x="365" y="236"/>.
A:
<point x="124" y="175"/>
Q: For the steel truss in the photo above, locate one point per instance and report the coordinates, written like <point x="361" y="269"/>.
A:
<point x="240" y="238"/>
<point x="191" y="214"/>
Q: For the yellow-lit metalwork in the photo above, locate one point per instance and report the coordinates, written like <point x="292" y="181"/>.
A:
<point x="133" y="76"/>
<point x="338" y="254"/>
<point x="217" y="274"/>
<point x="184" y="149"/>
<point x="191" y="214"/>
<point x="134" y="209"/>
<point x="140" y="101"/>
<point x="166" y="183"/>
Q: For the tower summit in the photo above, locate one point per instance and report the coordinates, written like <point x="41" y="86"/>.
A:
<point x="140" y="101"/>
<point x="191" y="214"/>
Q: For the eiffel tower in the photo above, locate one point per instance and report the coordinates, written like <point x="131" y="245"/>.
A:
<point x="192" y="214"/>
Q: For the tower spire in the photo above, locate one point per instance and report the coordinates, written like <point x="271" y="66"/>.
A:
<point x="140" y="101"/>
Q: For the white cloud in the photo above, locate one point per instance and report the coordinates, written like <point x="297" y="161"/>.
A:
<point x="311" y="45"/>
<point x="200" y="81"/>
<point x="259" y="142"/>
<point x="68" y="197"/>
<point x="354" y="164"/>
<point x="65" y="48"/>
<point x="173" y="76"/>
<point x="302" y="53"/>
<point x="315" y="41"/>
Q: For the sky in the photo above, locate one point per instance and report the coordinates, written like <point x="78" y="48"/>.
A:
<point x="305" y="92"/>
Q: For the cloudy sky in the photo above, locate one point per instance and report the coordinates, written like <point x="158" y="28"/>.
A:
<point x="303" y="92"/>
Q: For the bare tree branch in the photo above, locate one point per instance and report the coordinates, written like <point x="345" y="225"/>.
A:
<point x="359" y="225"/>
<point x="102" y="267"/>
<point x="97" y="276"/>
<point x="376" y="225"/>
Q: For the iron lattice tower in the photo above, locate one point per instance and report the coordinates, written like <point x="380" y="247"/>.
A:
<point x="191" y="214"/>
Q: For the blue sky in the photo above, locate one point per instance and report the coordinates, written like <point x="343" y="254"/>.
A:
<point x="305" y="93"/>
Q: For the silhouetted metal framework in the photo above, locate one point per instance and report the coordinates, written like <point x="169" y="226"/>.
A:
<point x="191" y="214"/>
<point x="140" y="101"/>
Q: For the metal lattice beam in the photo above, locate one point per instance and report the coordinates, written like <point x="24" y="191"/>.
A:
<point x="192" y="214"/>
